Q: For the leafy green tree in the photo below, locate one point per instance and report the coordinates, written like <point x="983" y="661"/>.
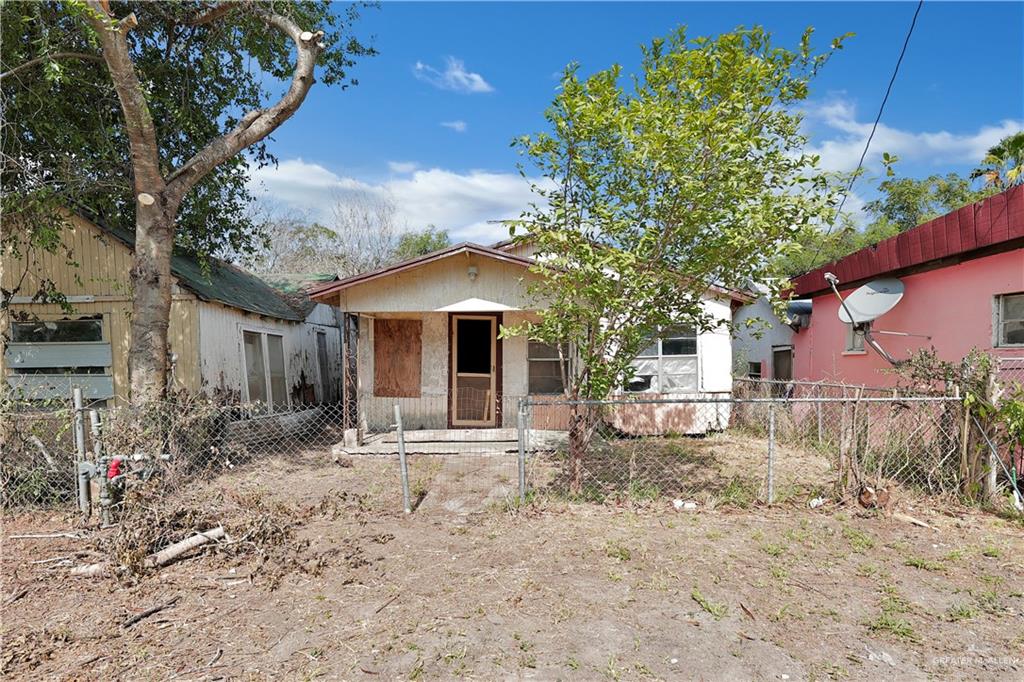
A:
<point x="907" y="202"/>
<point x="1003" y="165"/>
<point x="420" y="243"/>
<point x="691" y="173"/>
<point x="903" y="203"/>
<point x="139" y="111"/>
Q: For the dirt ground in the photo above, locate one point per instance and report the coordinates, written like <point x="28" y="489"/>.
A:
<point x="553" y="590"/>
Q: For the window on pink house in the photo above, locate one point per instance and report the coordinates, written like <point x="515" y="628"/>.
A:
<point x="1010" y="320"/>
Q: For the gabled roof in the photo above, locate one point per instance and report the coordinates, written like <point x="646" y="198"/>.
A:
<point x="993" y="225"/>
<point x="298" y="282"/>
<point x="223" y="283"/>
<point x="323" y="291"/>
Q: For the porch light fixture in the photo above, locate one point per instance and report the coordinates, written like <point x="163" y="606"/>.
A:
<point x="472" y="271"/>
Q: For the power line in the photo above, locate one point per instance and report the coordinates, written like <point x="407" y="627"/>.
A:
<point x="874" y="127"/>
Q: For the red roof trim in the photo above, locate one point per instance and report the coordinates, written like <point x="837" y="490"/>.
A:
<point x="993" y="225"/>
<point x="320" y="293"/>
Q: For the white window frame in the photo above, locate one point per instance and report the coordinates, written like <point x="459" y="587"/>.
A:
<point x="660" y="357"/>
<point x="529" y="359"/>
<point x="263" y="333"/>
<point x="999" y="321"/>
<point x="853" y="343"/>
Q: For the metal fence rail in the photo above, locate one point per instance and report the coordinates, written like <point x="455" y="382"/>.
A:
<point x="465" y="453"/>
<point x="744" y="450"/>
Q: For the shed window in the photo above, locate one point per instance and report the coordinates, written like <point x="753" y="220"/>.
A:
<point x="545" y="372"/>
<point x="667" y="364"/>
<point x="753" y="370"/>
<point x="1010" y="320"/>
<point x="265" y="378"/>
<point x="47" y="357"/>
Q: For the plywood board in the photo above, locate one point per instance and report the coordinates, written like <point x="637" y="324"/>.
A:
<point x="397" y="357"/>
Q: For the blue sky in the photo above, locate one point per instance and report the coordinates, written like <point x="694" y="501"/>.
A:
<point x="430" y="123"/>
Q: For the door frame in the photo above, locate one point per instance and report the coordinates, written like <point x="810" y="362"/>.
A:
<point x="496" y="383"/>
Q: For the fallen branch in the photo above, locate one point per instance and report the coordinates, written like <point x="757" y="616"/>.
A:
<point x="161" y="558"/>
<point x="149" y="612"/>
<point x="911" y="520"/>
<point x="16" y="596"/>
<point x="386" y="604"/>
<point x="43" y="536"/>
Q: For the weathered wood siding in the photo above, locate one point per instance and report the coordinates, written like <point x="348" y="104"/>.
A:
<point x="222" y="369"/>
<point x="439" y="284"/>
<point x="97" y="281"/>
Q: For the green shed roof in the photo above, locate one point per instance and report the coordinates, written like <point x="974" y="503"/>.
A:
<point x="223" y="282"/>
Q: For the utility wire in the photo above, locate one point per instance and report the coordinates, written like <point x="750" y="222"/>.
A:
<point x="874" y="127"/>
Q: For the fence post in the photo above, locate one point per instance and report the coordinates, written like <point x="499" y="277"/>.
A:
<point x="81" y="473"/>
<point x="771" y="453"/>
<point x="402" y="463"/>
<point x="818" y="410"/>
<point x="521" y="437"/>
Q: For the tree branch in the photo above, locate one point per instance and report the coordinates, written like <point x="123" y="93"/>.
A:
<point x="50" y="57"/>
<point x="212" y="13"/>
<point x="138" y="120"/>
<point x="258" y="123"/>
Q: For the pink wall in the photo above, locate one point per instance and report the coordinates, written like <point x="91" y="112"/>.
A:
<point x="953" y="304"/>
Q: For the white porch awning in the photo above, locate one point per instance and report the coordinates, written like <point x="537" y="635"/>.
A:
<point x="474" y="305"/>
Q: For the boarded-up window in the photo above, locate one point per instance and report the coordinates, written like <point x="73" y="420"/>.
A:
<point x="397" y="356"/>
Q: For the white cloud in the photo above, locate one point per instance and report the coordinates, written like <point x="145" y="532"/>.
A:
<point x="455" y="77"/>
<point x="402" y="167"/>
<point x="462" y="203"/>
<point x="839" y="137"/>
<point x="457" y="126"/>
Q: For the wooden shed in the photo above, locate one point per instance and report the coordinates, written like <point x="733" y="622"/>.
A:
<point x="231" y="334"/>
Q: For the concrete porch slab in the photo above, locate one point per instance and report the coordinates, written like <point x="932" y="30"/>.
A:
<point x="454" y="442"/>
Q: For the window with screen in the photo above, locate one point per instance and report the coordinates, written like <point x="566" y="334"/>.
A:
<point x="545" y="371"/>
<point x="265" y="378"/>
<point x="753" y="370"/>
<point x="1010" y="320"/>
<point x="667" y="364"/>
<point x="854" y="340"/>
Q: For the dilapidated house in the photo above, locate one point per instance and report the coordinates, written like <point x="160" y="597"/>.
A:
<point x="231" y="333"/>
<point x="424" y="334"/>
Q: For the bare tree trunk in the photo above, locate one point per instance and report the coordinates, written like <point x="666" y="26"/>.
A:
<point x="577" y="448"/>
<point x="158" y="198"/>
<point x="151" y="302"/>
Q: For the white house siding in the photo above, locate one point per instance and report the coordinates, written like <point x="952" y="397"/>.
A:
<point x="747" y="347"/>
<point x="220" y="349"/>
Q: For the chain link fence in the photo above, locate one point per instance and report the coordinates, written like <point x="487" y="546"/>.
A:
<point x="768" y="442"/>
<point x="743" y="451"/>
<point x="57" y="454"/>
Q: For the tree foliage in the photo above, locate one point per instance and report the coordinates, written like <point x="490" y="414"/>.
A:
<point x="902" y="203"/>
<point x="1003" y="165"/>
<point x="421" y="242"/>
<point x="63" y="138"/>
<point x="691" y="173"/>
<point x="363" y="234"/>
<point x="138" y="112"/>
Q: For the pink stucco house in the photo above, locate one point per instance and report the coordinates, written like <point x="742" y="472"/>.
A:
<point x="964" y="286"/>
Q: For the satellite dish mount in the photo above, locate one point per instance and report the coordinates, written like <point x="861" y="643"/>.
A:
<point x="868" y="303"/>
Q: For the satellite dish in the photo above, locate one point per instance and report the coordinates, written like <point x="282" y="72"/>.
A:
<point x="871" y="301"/>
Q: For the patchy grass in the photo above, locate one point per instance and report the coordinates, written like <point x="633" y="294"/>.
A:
<point x="925" y="564"/>
<point x="858" y="539"/>
<point x="715" y="609"/>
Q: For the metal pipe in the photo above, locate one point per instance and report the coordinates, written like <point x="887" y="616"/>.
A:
<point x="521" y="437"/>
<point x="81" y="473"/>
<point x="771" y="455"/>
<point x="402" y="463"/>
<point x="712" y="401"/>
